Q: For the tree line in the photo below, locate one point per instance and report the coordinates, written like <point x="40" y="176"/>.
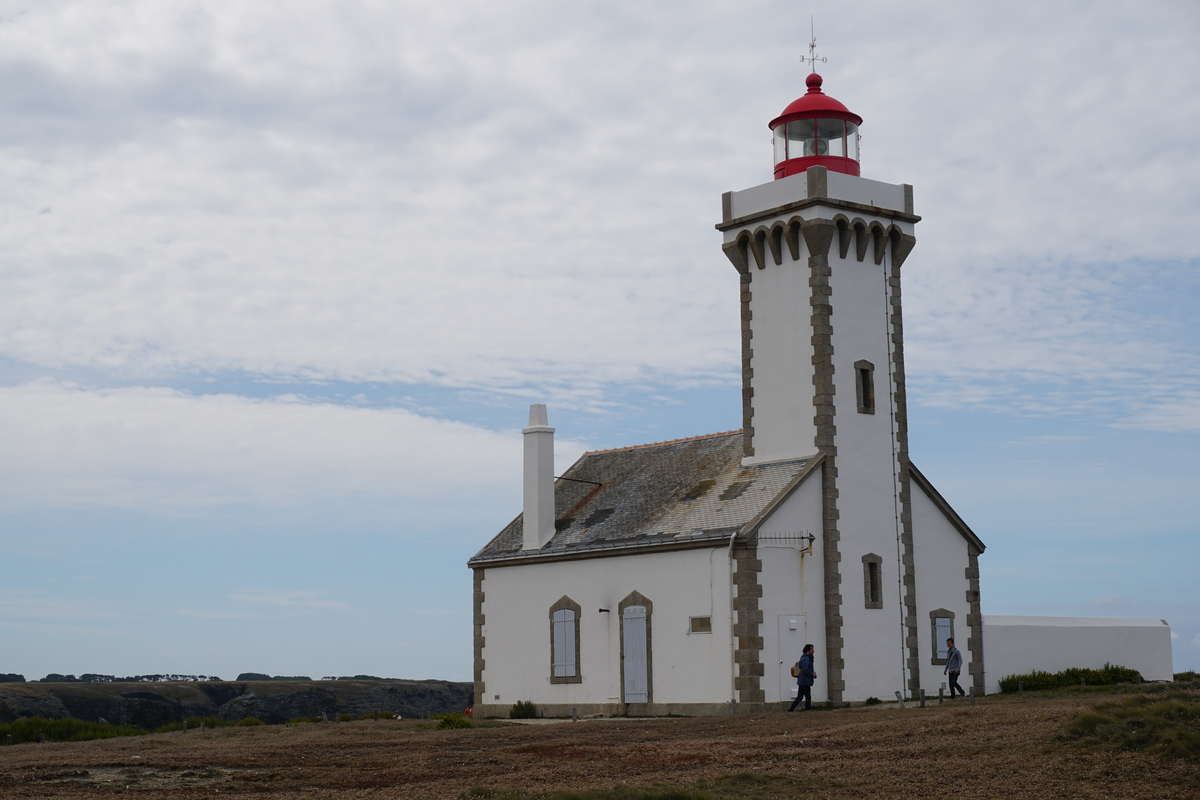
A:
<point x="92" y="677"/>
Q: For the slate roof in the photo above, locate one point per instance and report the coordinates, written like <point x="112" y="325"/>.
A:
<point x="684" y="492"/>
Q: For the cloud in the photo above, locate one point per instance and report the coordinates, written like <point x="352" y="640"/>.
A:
<point x="1109" y="601"/>
<point x="459" y="196"/>
<point x="75" y="447"/>
<point x="207" y="614"/>
<point x="288" y="599"/>
<point x="27" y="605"/>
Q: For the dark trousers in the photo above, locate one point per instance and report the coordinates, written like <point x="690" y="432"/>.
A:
<point x="954" y="685"/>
<point x="804" y="694"/>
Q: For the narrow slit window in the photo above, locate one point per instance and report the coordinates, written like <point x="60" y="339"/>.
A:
<point x="864" y="379"/>
<point x="872" y="581"/>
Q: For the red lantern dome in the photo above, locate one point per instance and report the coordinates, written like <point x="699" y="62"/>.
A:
<point x="816" y="131"/>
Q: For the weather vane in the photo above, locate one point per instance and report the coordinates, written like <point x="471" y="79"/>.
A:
<point x="813" y="58"/>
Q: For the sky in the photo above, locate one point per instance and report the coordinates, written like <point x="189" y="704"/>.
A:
<point x="278" y="282"/>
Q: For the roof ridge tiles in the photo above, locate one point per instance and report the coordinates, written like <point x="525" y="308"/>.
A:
<point x="668" y="441"/>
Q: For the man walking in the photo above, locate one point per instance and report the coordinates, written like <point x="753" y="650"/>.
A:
<point x="805" y="679"/>
<point x="953" y="667"/>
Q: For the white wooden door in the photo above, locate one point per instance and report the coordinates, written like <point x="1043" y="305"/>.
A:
<point x="637" y="685"/>
<point x="791" y="647"/>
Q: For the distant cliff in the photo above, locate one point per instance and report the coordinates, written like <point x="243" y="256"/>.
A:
<point x="149" y="705"/>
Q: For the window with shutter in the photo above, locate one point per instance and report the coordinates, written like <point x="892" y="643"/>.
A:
<point x="564" y="642"/>
<point x="637" y="684"/>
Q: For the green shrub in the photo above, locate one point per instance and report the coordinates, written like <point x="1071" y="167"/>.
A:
<point x="1187" y="677"/>
<point x="193" y="724"/>
<point x="523" y="709"/>
<point x="294" y="721"/>
<point x="873" y="701"/>
<point x="455" y="721"/>
<point x="345" y="718"/>
<point x="1166" y="725"/>
<point x="250" y="721"/>
<point x="31" y="729"/>
<point x="374" y="715"/>
<point x="1108" y="675"/>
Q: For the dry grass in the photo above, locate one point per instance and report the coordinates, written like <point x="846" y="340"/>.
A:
<point x="1005" y="747"/>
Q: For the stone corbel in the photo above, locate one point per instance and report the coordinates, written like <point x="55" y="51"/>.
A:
<point x="862" y="238"/>
<point x="736" y="255"/>
<point x="755" y="241"/>
<point x="818" y="235"/>
<point x="792" y="236"/>
<point x="765" y="236"/>
<point x="845" y="234"/>
<point x="902" y="245"/>
<point x="881" y="240"/>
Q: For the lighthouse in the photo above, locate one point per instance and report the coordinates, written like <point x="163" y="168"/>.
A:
<point x="688" y="576"/>
<point x="819" y="252"/>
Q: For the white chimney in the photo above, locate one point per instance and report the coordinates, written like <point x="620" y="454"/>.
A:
<point x="538" y="510"/>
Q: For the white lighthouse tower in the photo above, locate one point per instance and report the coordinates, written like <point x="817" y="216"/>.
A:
<point x="686" y="577"/>
<point x="819" y="250"/>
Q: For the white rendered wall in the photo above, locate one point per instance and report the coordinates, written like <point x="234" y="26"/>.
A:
<point x="1017" y="645"/>
<point x="768" y="195"/>
<point x="781" y="314"/>
<point x="866" y="191"/>
<point x="795" y="187"/>
<point x="940" y="561"/>
<point x="782" y="358"/>
<point x="686" y="667"/>
<point x="873" y="649"/>
<point x="793" y="584"/>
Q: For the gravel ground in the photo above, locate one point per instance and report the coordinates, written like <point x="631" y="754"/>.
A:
<point x="1001" y="748"/>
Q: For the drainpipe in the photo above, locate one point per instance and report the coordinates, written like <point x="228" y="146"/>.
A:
<point x="733" y="631"/>
<point x="538" y="508"/>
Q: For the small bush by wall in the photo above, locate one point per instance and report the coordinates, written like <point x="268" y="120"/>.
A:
<point x="455" y="721"/>
<point x="250" y="721"/>
<point x="1108" y="675"/>
<point x="523" y="709"/>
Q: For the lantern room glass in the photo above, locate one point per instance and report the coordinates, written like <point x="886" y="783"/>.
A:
<point x="803" y="138"/>
<point x="831" y="137"/>
<point x="800" y="138"/>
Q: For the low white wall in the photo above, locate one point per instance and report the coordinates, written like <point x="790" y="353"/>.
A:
<point x="685" y="667"/>
<point x="1016" y="645"/>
